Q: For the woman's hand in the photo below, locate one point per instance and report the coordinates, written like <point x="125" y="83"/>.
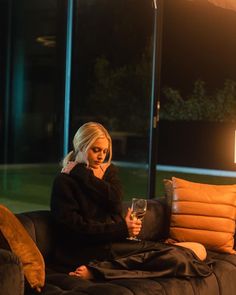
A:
<point x="70" y="165"/>
<point x="134" y="225"/>
<point x="100" y="170"/>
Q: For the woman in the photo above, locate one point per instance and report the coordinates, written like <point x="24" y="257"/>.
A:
<point x="87" y="203"/>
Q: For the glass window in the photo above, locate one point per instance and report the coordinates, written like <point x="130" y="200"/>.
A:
<point x="32" y="85"/>
<point x="112" y="48"/>
<point x="111" y="80"/>
<point x="111" y="76"/>
<point x="198" y="101"/>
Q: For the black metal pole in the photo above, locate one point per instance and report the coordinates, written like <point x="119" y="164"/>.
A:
<point x="155" y="95"/>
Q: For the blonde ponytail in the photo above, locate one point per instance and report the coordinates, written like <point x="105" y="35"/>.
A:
<point x="69" y="157"/>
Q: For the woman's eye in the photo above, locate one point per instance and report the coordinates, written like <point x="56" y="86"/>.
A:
<point x="95" y="150"/>
<point x="98" y="150"/>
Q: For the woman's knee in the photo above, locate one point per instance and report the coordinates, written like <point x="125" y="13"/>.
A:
<point x="197" y="248"/>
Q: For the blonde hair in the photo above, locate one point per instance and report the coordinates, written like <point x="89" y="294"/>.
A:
<point x="85" y="136"/>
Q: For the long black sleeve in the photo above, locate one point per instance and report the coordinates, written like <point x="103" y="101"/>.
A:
<point x="106" y="191"/>
<point x="89" y="207"/>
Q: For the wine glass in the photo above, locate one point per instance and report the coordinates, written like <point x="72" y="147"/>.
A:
<point x="138" y="210"/>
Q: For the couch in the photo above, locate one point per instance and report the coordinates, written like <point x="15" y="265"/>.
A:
<point x="40" y="226"/>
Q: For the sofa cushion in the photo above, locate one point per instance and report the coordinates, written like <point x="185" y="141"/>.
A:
<point x="153" y="225"/>
<point x="24" y="247"/>
<point x="202" y="213"/>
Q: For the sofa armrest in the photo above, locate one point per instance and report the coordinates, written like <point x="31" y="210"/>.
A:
<point x="42" y="230"/>
<point x="11" y="274"/>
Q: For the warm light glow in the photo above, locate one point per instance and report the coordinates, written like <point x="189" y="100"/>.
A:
<point x="47" y="41"/>
<point x="235" y="146"/>
<point x="227" y="4"/>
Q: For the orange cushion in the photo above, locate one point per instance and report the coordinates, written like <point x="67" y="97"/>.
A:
<point x="24" y="247"/>
<point x="202" y="213"/>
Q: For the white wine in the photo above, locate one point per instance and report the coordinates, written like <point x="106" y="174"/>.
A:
<point x="139" y="214"/>
<point x="138" y="211"/>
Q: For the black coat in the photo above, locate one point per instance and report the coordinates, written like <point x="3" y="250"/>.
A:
<point x="88" y="211"/>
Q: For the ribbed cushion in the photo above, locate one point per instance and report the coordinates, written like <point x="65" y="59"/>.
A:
<point x="203" y="213"/>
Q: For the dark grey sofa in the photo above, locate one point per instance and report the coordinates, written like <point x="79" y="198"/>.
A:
<point x="44" y="232"/>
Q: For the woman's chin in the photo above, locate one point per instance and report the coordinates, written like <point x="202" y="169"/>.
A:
<point x="95" y="166"/>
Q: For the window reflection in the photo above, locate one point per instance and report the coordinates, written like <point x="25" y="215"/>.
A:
<point x="35" y="79"/>
<point x="111" y="71"/>
<point x="32" y="94"/>
<point x="111" y="62"/>
<point x="111" y="80"/>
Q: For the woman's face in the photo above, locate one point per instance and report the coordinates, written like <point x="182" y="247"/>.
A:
<point x="97" y="153"/>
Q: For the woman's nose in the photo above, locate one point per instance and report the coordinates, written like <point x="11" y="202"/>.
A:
<point x="100" y="155"/>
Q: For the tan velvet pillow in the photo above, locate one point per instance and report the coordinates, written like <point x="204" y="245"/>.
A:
<point x="24" y="247"/>
<point x="202" y="213"/>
